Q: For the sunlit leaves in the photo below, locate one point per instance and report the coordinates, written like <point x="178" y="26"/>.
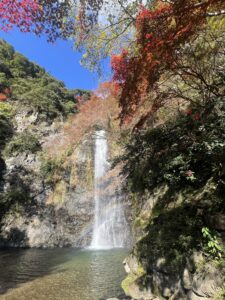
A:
<point x="38" y="16"/>
<point x="161" y="33"/>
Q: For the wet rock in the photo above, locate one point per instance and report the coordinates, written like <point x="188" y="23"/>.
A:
<point x="217" y="221"/>
<point x="187" y="279"/>
<point x="206" y="282"/>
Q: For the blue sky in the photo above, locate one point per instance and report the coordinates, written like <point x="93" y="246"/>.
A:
<point x="58" y="59"/>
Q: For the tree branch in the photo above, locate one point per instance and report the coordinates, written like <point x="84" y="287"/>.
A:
<point x="126" y="11"/>
<point x="216" y="13"/>
<point x="208" y="14"/>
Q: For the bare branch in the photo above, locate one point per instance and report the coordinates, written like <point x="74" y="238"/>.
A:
<point x="126" y="11"/>
<point x="216" y="13"/>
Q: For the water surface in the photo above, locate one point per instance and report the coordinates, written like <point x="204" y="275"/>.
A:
<point x="60" y="274"/>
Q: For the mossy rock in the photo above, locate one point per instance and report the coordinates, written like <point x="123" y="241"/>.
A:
<point x="59" y="194"/>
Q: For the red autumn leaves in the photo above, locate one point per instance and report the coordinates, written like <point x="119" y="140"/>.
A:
<point x="5" y="94"/>
<point x="161" y="32"/>
<point x="20" y="13"/>
<point x="194" y="116"/>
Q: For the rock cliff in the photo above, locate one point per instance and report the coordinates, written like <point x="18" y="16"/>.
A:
<point x="44" y="201"/>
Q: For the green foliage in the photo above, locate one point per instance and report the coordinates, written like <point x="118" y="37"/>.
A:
<point x="6" y="130"/>
<point x="6" y="51"/>
<point x="113" y="30"/>
<point x="70" y="107"/>
<point x="21" y="67"/>
<point x="6" y="109"/>
<point x="3" y="80"/>
<point x="45" y="95"/>
<point x="24" y="142"/>
<point x="16" y="196"/>
<point x="185" y="152"/>
<point x="212" y="245"/>
<point x="32" y="86"/>
<point x="51" y="169"/>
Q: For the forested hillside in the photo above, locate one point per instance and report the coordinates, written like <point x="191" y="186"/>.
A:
<point x="24" y="84"/>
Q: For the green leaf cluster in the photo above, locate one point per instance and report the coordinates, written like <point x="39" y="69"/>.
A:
<point x="212" y="245"/>
<point x="13" y="198"/>
<point x="6" y="130"/>
<point x="24" y="142"/>
<point x="182" y="152"/>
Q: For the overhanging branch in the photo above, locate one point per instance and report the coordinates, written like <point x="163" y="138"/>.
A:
<point x="216" y="13"/>
<point x="208" y="14"/>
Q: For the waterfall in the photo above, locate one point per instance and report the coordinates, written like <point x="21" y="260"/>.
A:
<point x="110" y="226"/>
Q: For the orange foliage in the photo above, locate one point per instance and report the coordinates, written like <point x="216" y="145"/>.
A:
<point x="3" y="97"/>
<point x="5" y="94"/>
<point x="161" y="32"/>
<point x="101" y="110"/>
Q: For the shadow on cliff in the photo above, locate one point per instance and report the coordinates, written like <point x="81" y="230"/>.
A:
<point x="17" y="198"/>
<point x="171" y="237"/>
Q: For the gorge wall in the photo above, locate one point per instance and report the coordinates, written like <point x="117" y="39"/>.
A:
<point x="46" y="200"/>
<point x="175" y="179"/>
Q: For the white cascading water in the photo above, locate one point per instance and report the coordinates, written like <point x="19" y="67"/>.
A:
<point x="110" y="226"/>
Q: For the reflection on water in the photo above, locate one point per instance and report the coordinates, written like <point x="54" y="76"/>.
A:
<point x="64" y="274"/>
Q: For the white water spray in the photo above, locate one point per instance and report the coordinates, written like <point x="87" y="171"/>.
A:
<point x="110" y="226"/>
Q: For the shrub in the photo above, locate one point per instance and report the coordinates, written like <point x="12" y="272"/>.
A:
<point x="6" y="109"/>
<point x="6" y="130"/>
<point x="211" y="243"/>
<point x="13" y="197"/>
<point x="183" y="152"/>
<point x="70" y="107"/>
<point x="51" y="169"/>
<point x="24" y="142"/>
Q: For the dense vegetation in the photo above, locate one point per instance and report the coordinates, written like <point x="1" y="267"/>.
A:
<point x="26" y="86"/>
<point x="27" y="91"/>
<point x="186" y="155"/>
<point x="175" y="156"/>
<point x="29" y="84"/>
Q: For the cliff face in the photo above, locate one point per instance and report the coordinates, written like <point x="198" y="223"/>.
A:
<point x="167" y="261"/>
<point x="46" y="214"/>
<point x="50" y="200"/>
<point x="175" y="175"/>
<point x="46" y="178"/>
<point x="44" y="202"/>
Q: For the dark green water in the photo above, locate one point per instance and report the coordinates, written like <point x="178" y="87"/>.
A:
<point x="60" y="274"/>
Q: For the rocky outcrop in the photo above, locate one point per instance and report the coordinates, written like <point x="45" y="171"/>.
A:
<point x="50" y="201"/>
<point x="167" y="261"/>
<point x="200" y="280"/>
<point x="46" y="174"/>
<point x="45" y="212"/>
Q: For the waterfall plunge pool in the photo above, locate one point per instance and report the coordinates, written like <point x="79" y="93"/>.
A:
<point x="61" y="274"/>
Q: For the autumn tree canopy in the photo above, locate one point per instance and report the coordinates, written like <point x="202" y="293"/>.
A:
<point x="52" y="17"/>
<point x="162" y="30"/>
<point x="149" y="35"/>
